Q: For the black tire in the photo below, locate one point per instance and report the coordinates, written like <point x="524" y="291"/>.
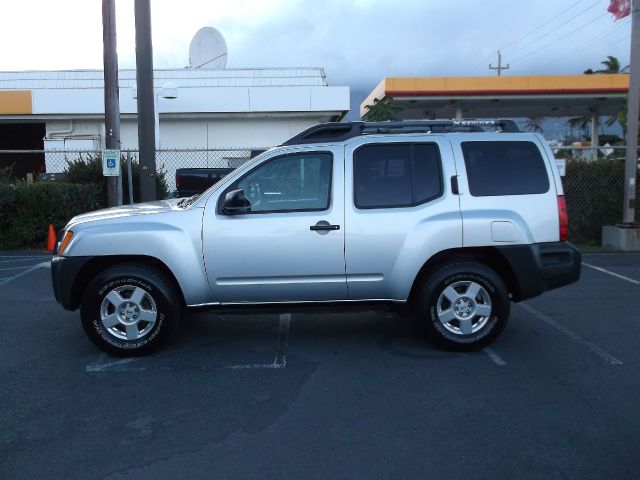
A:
<point x="466" y="330"/>
<point x="157" y="297"/>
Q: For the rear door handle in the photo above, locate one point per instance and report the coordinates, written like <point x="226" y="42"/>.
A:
<point x="323" y="225"/>
<point x="454" y="185"/>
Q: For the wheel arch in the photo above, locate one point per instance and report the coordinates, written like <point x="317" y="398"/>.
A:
<point x="489" y="256"/>
<point x="100" y="263"/>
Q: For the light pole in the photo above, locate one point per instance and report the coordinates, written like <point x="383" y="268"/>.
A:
<point x="169" y="91"/>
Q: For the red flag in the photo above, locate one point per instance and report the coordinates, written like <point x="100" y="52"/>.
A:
<point x="619" y="8"/>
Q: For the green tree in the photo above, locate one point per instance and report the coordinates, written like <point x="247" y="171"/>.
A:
<point x="534" y="124"/>
<point x="381" y="110"/>
<point x="612" y="65"/>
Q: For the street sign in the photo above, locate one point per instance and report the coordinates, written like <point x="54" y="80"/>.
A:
<point x="562" y="166"/>
<point x="111" y="163"/>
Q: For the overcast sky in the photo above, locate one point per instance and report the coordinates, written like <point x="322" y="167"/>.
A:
<point x="358" y="42"/>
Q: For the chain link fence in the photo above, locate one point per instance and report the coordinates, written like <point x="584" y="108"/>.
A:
<point x="593" y="177"/>
<point x="52" y="165"/>
<point x="593" y="184"/>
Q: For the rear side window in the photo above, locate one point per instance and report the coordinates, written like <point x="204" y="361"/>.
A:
<point x="504" y="168"/>
<point x="396" y="175"/>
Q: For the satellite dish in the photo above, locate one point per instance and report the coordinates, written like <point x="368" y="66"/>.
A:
<point x="208" y="49"/>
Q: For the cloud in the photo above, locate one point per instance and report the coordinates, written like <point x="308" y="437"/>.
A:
<point x="357" y="41"/>
<point x="360" y="42"/>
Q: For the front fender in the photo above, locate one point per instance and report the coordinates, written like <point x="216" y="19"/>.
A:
<point x="174" y="238"/>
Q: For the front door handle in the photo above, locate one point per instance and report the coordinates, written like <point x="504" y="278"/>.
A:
<point x="323" y="225"/>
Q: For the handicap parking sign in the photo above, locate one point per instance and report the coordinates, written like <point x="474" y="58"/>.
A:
<point x="111" y="163"/>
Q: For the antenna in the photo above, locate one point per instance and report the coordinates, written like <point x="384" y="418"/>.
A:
<point x="208" y="49"/>
<point x="499" y="68"/>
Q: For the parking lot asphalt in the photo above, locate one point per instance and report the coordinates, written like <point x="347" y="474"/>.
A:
<point x="341" y="395"/>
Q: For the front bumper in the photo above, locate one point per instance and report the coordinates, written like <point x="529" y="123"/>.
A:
<point x="543" y="266"/>
<point x="64" y="271"/>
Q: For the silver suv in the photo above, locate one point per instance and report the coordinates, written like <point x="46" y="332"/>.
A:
<point x="455" y="219"/>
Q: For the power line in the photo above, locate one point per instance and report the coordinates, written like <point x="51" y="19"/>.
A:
<point x="627" y="37"/>
<point x="613" y="29"/>
<point x="560" y="38"/>
<point x="553" y="30"/>
<point x="555" y="17"/>
<point x="513" y="42"/>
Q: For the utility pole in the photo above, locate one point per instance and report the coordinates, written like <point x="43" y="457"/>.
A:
<point x="499" y="68"/>
<point x="144" y="81"/>
<point x="631" y="161"/>
<point x="111" y="95"/>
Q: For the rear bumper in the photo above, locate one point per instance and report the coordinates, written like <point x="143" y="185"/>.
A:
<point x="64" y="271"/>
<point x="543" y="266"/>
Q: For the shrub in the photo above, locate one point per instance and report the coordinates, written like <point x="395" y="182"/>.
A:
<point x="6" y="173"/>
<point x="88" y="170"/>
<point x="593" y="192"/>
<point x="27" y="209"/>
<point x="7" y="198"/>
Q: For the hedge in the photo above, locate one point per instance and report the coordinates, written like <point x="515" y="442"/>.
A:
<point x="27" y="209"/>
<point x="594" y="195"/>
<point x="88" y="170"/>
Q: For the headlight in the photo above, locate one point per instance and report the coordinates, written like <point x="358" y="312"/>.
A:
<point x="65" y="241"/>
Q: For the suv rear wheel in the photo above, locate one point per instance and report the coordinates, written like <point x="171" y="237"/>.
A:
<point x="464" y="305"/>
<point x="129" y="310"/>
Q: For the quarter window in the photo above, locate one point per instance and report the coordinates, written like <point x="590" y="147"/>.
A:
<point x="396" y="175"/>
<point x="504" y="168"/>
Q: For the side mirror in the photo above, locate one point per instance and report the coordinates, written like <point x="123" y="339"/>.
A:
<point x="235" y="202"/>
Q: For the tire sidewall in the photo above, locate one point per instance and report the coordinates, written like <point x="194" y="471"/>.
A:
<point x="112" y="279"/>
<point x="449" y="275"/>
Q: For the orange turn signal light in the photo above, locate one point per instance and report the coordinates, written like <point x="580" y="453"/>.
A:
<point x="65" y="241"/>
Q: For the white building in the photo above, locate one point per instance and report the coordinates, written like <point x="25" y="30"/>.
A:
<point x="215" y="109"/>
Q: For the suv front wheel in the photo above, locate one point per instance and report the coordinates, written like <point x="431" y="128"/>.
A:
<point x="129" y="310"/>
<point x="464" y="305"/>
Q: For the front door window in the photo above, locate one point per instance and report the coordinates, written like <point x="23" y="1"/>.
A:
<point x="299" y="182"/>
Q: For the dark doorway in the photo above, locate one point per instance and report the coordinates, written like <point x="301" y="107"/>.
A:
<point x="22" y="136"/>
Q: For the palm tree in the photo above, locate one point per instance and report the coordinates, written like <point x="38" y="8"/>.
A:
<point x="612" y="64"/>
<point x="534" y="124"/>
<point x="381" y="110"/>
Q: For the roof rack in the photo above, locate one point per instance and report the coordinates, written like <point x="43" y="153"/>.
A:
<point x="341" y="131"/>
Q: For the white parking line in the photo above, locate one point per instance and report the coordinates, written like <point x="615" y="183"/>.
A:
<point x="4" y="281"/>
<point x="102" y="364"/>
<point x="16" y="268"/>
<point x="280" y="361"/>
<point x="606" y="356"/>
<point x="497" y="359"/>
<point x="254" y="366"/>
<point x="617" y="275"/>
<point x="20" y="259"/>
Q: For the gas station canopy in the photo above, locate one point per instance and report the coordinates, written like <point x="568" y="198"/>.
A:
<point x="496" y="97"/>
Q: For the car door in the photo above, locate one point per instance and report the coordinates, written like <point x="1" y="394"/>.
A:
<point x="290" y="245"/>
<point x="400" y="210"/>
